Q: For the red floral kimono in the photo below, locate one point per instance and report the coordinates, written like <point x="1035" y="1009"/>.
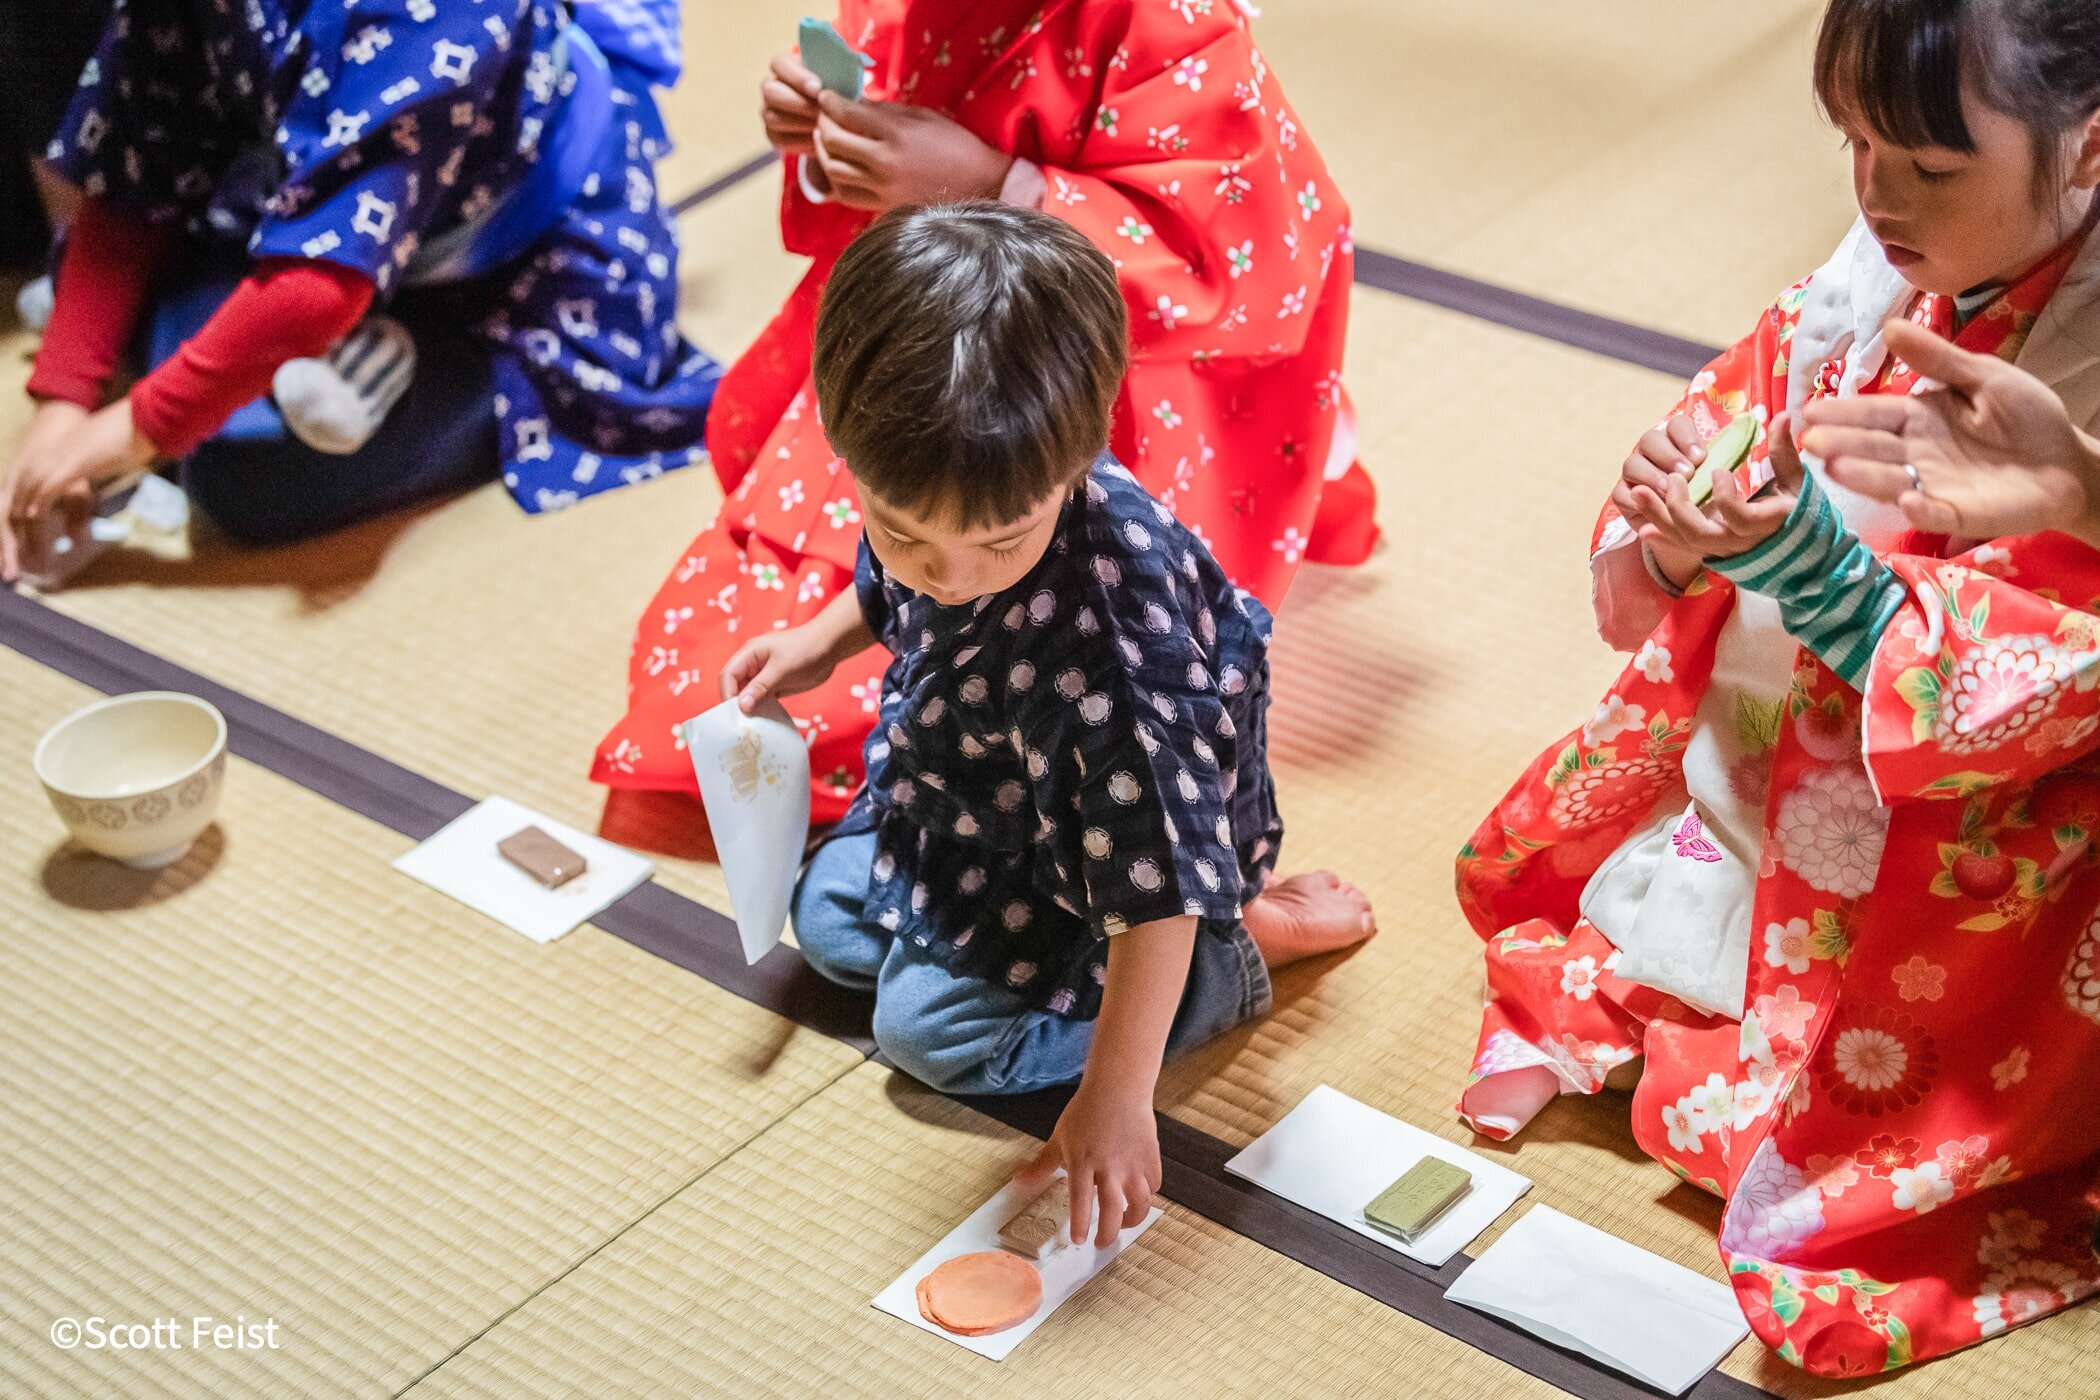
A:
<point x="1162" y="135"/>
<point x="1905" y="1124"/>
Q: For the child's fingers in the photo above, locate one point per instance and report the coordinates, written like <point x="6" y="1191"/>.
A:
<point x="1684" y="436"/>
<point x="785" y="103"/>
<point x="846" y="147"/>
<point x="1037" y="1170"/>
<point x="1109" y="1220"/>
<point x="1784" y="453"/>
<point x="861" y="118"/>
<point x="742" y="668"/>
<point x="1691" y="523"/>
<point x="1661" y="453"/>
<point x="1082" y="1205"/>
<point x="1639" y="471"/>
<point x="787" y="70"/>
<point x="1137" y="1200"/>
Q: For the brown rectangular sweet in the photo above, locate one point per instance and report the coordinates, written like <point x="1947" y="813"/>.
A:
<point x="542" y="857"/>
<point x="1038" y="1229"/>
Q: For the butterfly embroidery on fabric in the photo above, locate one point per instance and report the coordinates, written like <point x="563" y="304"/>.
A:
<point x="1690" y="841"/>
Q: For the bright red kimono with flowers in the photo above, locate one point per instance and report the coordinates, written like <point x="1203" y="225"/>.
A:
<point x="1905" y="1125"/>
<point x="1162" y="136"/>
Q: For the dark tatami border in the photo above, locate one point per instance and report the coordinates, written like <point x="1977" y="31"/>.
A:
<point x="704" y="942"/>
<point x="1550" y="320"/>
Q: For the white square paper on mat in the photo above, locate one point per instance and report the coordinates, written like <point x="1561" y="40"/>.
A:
<point x="1591" y="1292"/>
<point x="462" y="860"/>
<point x="1334" y="1155"/>
<point x="1064" y="1272"/>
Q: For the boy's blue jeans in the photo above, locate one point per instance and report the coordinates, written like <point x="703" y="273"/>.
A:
<point x="964" y="1035"/>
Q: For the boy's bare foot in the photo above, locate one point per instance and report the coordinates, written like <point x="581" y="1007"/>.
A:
<point x="1308" y="915"/>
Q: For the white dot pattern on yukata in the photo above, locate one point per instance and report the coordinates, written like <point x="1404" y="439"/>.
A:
<point x="1021" y="824"/>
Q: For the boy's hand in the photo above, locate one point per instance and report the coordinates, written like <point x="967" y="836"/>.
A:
<point x="787" y="662"/>
<point x="1671" y="452"/>
<point x="1733" y="525"/>
<point x="878" y="155"/>
<point x="788" y="104"/>
<point x="1108" y="1144"/>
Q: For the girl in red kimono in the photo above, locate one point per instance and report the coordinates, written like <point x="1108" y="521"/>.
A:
<point x="1158" y="131"/>
<point x="1821" y="865"/>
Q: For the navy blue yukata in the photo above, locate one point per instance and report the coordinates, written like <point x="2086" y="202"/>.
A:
<point x="503" y="146"/>
<point x="1078" y="755"/>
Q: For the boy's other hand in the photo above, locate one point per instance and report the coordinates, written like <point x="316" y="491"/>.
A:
<point x="1108" y="1144"/>
<point x="878" y="155"/>
<point x="788" y="104"/>
<point x="787" y="662"/>
<point x="1732" y="525"/>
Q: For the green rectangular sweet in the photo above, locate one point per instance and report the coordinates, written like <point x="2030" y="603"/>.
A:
<point x="1418" y="1199"/>
<point x="1728" y="450"/>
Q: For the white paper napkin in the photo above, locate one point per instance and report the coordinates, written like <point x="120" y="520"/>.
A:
<point x="462" y="861"/>
<point x="753" y="772"/>
<point x="1064" y="1272"/>
<point x="1334" y="1155"/>
<point x="1612" y="1301"/>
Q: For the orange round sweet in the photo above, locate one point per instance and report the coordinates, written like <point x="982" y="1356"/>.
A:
<point x="972" y="1295"/>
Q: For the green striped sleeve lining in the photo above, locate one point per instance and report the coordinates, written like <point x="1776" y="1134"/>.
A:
<point x="1834" y="596"/>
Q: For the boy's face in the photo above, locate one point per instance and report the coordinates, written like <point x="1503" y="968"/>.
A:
<point x="1951" y="221"/>
<point x="951" y="565"/>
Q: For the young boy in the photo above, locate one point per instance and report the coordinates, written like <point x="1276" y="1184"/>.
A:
<point x="1067" y="834"/>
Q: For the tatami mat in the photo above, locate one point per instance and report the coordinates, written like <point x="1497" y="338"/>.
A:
<point x="756" y="1281"/>
<point x="279" y="1080"/>
<point x="349" y="1102"/>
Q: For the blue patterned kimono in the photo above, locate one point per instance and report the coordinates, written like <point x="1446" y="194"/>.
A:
<point x="500" y="143"/>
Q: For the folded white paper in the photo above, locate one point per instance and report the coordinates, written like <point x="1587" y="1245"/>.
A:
<point x="1333" y="1155"/>
<point x="754" y="782"/>
<point x="1064" y="1272"/>
<point x="1594" y="1293"/>
<point x="462" y="861"/>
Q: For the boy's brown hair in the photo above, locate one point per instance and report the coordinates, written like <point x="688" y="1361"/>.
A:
<point x="968" y="358"/>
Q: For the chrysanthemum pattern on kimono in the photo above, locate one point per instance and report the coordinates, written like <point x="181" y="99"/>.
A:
<point x="361" y="134"/>
<point x="1903" y="1124"/>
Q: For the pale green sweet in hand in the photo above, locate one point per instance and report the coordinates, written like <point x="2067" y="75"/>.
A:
<point x="1725" y="453"/>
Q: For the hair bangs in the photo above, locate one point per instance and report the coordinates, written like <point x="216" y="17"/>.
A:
<point x="1896" y="67"/>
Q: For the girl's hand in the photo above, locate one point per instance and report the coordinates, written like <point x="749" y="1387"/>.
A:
<point x="1108" y="1144"/>
<point x="50" y="486"/>
<point x="788" y="104"/>
<point x="878" y="155"/>
<point x="1733" y="525"/>
<point x="786" y="662"/>
<point x="1993" y="447"/>
<point x="1663" y="454"/>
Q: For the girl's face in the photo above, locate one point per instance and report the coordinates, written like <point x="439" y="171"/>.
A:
<point x="1951" y="221"/>
<point x="952" y="565"/>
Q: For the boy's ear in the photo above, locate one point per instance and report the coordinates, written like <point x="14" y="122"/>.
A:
<point x="2085" y="159"/>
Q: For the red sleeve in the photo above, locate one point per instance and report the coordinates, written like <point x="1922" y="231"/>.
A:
<point x="110" y="262"/>
<point x="284" y="309"/>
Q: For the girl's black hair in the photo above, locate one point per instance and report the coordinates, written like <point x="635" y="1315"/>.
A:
<point x="1898" y="66"/>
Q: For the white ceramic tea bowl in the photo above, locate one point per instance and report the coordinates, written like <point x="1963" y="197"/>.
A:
<point x="136" y="777"/>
